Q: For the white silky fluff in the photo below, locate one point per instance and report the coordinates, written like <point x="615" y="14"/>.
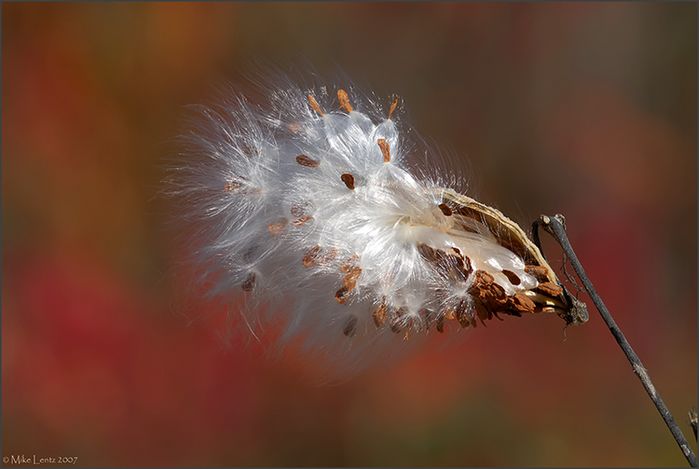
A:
<point x="238" y="176"/>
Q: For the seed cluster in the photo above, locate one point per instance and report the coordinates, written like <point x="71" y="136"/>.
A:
<point x="480" y="296"/>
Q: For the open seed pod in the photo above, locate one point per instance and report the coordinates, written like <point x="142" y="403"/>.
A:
<point x="309" y="207"/>
<point x="545" y="295"/>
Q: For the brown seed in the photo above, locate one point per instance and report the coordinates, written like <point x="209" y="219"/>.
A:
<point x="428" y="317"/>
<point x="396" y="322"/>
<point x="429" y="253"/>
<point x="539" y="272"/>
<point x="487" y="292"/>
<point x="379" y="315"/>
<point x="465" y="264"/>
<point x="344" y="101"/>
<point x="450" y="314"/>
<point x="231" y="186"/>
<point x="456" y="260"/>
<point x="462" y="315"/>
<point x="251" y="253"/>
<point x="341" y="295"/>
<point x="303" y="160"/>
<point x="294" y="127"/>
<point x="512" y="277"/>
<point x="454" y="266"/>
<point x="298" y="210"/>
<point x="440" y="324"/>
<point x="348" y="179"/>
<point x="548" y="288"/>
<point x="483" y="314"/>
<point x="329" y="256"/>
<point x="350" y="280"/>
<point x="314" y="105"/>
<point x="484" y="277"/>
<point x="385" y="149"/>
<point x="302" y="220"/>
<point x="445" y="210"/>
<point x="391" y="109"/>
<point x="310" y="259"/>
<point x="350" y="326"/>
<point x="521" y="303"/>
<point x="468" y="268"/>
<point x="349" y="264"/>
<point x="277" y="227"/>
<point x="469" y="227"/>
<point x="249" y="282"/>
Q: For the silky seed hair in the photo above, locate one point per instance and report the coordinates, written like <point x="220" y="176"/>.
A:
<point x="307" y="207"/>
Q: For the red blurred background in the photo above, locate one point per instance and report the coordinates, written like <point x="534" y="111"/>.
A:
<point x="583" y="109"/>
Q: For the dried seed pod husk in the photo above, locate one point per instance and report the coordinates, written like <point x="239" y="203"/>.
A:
<point x="548" y="296"/>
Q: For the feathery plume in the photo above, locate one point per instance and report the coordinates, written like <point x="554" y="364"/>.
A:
<point x="307" y="206"/>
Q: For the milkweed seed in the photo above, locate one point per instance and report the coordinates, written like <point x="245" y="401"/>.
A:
<point x="329" y="256"/>
<point x="396" y="321"/>
<point x="468" y="268"/>
<point x="249" y="282"/>
<point x="512" y="277"/>
<point x="350" y="280"/>
<point x="294" y="127"/>
<point x="302" y="220"/>
<point x="310" y="259"/>
<point x="521" y="303"/>
<point x="445" y="210"/>
<point x="461" y="314"/>
<point x="379" y="315"/>
<point x="537" y="272"/>
<point x="231" y="186"/>
<point x="429" y="253"/>
<point x="298" y="210"/>
<point x="341" y="295"/>
<point x="487" y="292"/>
<point x="385" y="149"/>
<point x="350" y="327"/>
<point x="548" y="288"/>
<point x="440" y="324"/>
<point x="349" y="264"/>
<point x="277" y="227"/>
<point x="314" y="105"/>
<point x="393" y="107"/>
<point x="428" y="317"/>
<point x="344" y="101"/>
<point x="348" y="179"/>
<point x="251" y="253"/>
<point x="304" y="160"/>
<point x="483" y="314"/>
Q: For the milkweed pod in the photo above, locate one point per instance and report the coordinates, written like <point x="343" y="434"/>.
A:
<point x="332" y="235"/>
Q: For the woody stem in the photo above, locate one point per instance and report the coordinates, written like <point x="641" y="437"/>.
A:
<point x="556" y="228"/>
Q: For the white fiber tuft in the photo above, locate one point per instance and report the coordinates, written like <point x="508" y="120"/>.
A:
<point x="305" y="205"/>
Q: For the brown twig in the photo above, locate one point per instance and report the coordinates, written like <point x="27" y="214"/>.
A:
<point x="555" y="226"/>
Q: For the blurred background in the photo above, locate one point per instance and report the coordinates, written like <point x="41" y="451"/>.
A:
<point x="584" y="109"/>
